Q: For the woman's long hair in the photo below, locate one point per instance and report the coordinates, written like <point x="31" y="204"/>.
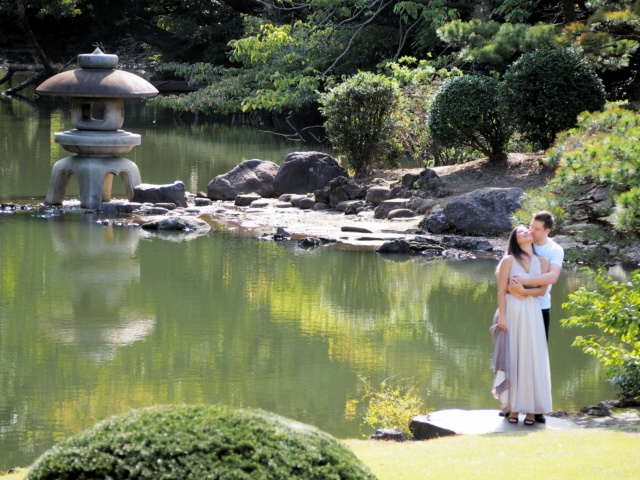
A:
<point x="513" y="248"/>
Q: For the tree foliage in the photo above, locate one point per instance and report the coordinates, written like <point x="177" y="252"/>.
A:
<point x="362" y="120"/>
<point x="545" y="90"/>
<point x="603" y="150"/>
<point x="607" y="34"/>
<point x="496" y="44"/>
<point x="419" y="82"/>
<point x="466" y="111"/>
<point x="293" y="50"/>
<point x="613" y="308"/>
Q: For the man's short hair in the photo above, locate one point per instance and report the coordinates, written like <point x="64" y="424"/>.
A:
<point x="545" y="217"/>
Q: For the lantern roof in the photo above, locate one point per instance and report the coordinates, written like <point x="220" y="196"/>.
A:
<point x="97" y="77"/>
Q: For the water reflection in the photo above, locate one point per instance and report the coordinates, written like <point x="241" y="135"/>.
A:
<point x="171" y="148"/>
<point x="97" y="320"/>
<point x="99" y="263"/>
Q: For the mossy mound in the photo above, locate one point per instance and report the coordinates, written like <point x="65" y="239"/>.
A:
<point x="199" y="442"/>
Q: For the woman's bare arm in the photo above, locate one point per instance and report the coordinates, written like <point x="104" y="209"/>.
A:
<point x="504" y="268"/>
<point x="519" y="288"/>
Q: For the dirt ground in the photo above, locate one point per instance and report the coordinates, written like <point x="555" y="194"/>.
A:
<point x="521" y="170"/>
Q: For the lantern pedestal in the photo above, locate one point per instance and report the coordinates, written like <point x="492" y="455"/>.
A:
<point x="95" y="178"/>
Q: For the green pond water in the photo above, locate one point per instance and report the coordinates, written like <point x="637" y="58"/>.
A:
<point x="97" y="320"/>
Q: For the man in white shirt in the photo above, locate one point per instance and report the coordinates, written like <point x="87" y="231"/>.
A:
<point x="540" y="227"/>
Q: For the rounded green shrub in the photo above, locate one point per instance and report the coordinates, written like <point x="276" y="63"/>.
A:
<point x="545" y="90"/>
<point x="362" y="119"/>
<point x="466" y="113"/>
<point x="199" y="442"/>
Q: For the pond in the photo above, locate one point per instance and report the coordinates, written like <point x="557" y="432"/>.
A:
<point x="97" y="320"/>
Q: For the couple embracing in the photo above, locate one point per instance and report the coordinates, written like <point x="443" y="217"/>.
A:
<point x="522" y="380"/>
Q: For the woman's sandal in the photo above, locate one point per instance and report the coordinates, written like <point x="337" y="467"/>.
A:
<point x="512" y="419"/>
<point x="529" y="422"/>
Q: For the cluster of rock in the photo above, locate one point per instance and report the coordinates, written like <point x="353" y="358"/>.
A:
<point x="314" y="180"/>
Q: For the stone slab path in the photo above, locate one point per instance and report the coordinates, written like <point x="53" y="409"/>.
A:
<point x="476" y="422"/>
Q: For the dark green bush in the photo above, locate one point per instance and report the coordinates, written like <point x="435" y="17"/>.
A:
<point x="466" y="113"/>
<point x="545" y="90"/>
<point x="362" y="120"/>
<point x="627" y="380"/>
<point x="199" y="442"/>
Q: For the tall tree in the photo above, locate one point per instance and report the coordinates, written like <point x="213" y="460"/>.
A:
<point x="22" y="11"/>
<point x="609" y="37"/>
<point x="295" y="49"/>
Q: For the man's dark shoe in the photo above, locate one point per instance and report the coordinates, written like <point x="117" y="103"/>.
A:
<point x="538" y="417"/>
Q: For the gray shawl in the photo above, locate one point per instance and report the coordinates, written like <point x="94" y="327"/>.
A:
<point x="500" y="364"/>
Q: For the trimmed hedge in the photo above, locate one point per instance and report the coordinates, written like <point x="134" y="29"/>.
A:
<point x="466" y="112"/>
<point x="545" y="91"/>
<point x="199" y="442"/>
<point x="362" y="118"/>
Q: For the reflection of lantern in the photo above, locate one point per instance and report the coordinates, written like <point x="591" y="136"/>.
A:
<point x="101" y="265"/>
<point x="97" y="113"/>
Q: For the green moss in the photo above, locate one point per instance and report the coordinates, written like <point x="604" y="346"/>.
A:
<point x="199" y="442"/>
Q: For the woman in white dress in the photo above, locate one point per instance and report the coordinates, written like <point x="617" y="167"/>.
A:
<point x="528" y="385"/>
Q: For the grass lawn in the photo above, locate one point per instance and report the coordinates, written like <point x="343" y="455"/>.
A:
<point x="567" y="454"/>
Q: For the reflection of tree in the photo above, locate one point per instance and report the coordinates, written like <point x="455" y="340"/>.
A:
<point x="24" y="175"/>
<point x="204" y="151"/>
<point x="236" y="321"/>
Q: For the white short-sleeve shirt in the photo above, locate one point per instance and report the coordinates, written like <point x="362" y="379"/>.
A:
<point x="555" y="254"/>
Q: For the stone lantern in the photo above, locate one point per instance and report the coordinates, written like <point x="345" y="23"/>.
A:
<point x="98" y="91"/>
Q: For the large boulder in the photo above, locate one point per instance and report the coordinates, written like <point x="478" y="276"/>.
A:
<point x="378" y="194"/>
<point x="485" y="211"/>
<point x="382" y="210"/>
<point x="171" y="193"/>
<point x="305" y="172"/>
<point x="436" y="222"/>
<point x="427" y="182"/>
<point x="250" y="176"/>
<point x="342" y="189"/>
<point x="430" y="183"/>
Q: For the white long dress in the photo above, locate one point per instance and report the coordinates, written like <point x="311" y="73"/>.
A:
<point x="529" y="375"/>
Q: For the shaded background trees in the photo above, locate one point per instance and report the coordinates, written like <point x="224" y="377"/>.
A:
<point x="275" y="58"/>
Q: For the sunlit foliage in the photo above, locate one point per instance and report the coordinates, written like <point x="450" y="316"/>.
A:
<point x="614" y="310"/>
<point x="602" y="150"/>
<point x="467" y="111"/>
<point x="362" y="118"/>
<point x="390" y="405"/>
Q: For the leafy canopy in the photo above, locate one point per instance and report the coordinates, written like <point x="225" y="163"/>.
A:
<point x="292" y="51"/>
<point x="602" y="150"/>
<point x="419" y="82"/>
<point x="613" y="309"/>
